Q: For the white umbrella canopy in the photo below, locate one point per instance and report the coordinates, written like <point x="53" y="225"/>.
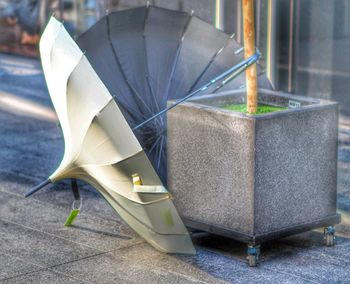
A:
<point x="100" y="147"/>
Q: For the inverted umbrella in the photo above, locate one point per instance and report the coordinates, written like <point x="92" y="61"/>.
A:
<point x="106" y="155"/>
<point x="149" y="55"/>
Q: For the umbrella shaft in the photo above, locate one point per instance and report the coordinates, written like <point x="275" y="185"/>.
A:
<point x="232" y="73"/>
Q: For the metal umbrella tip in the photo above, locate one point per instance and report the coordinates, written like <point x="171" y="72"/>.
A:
<point x="37" y="188"/>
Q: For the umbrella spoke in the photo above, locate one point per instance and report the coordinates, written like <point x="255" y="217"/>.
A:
<point x="153" y="146"/>
<point x="138" y="96"/>
<point x="136" y="115"/>
<point x="209" y="64"/>
<point x="153" y="93"/>
<point x="160" y="151"/>
<point x="175" y="61"/>
<point x="133" y="90"/>
<point x="147" y="66"/>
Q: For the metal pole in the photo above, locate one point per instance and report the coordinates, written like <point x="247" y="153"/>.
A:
<point x="61" y="8"/>
<point x="290" y="48"/>
<point x="219" y="14"/>
<point x="239" y="22"/>
<point x="271" y="63"/>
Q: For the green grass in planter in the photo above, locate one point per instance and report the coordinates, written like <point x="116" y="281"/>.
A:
<point x="243" y="108"/>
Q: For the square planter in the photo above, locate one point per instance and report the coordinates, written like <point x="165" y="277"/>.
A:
<point x="254" y="177"/>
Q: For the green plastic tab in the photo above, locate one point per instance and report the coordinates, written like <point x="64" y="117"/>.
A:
<point x="168" y="218"/>
<point x="73" y="214"/>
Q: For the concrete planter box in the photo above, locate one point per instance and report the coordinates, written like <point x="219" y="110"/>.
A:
<point x="254" y="177"/>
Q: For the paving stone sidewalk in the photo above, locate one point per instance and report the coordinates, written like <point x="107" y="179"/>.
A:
<point x="35" y="247"/>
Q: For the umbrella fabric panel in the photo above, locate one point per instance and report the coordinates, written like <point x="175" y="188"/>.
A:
<point x="100" y="54"/>
<point x="164" y="30"/>
<point x="201" y="42"/>
<point x="57" y="72"/>
<point x="169" y="243"/>
<point x="227" y="57"/>
<point x="126" y="30"/>
<point x="107" y="142"/>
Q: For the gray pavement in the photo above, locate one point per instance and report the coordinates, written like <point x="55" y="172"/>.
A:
<point x="35" y="247"/>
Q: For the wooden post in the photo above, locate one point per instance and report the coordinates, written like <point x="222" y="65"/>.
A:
<point x="249" y="50"/>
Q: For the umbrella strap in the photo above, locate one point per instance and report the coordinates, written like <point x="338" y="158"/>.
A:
<point x="77" y="199"/>
<point x="75" y="189"/>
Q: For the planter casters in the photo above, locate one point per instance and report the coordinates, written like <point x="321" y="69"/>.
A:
<point x="253" y="253"/>
<point x="329" y="236"/>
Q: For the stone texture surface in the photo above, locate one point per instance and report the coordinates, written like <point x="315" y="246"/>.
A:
<point x="202" y="154"/>
<point x="129" y="265"/>
<point x="295" y="168"/>
<point x="45" y="276"/>
<point x="36" y="248"/>
<point x="12" y="266"/>
<point x="253" y="174"/>
<point x="106" y="235"/>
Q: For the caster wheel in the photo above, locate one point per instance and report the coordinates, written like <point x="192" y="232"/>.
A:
<point x="252" y="260"/>
<point x="329" y="237"/>
<point x="253" y="255"/>
<point x="330" y="240"/>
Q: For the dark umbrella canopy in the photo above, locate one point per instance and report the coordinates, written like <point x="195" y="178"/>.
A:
<point x="149" y="55"/>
